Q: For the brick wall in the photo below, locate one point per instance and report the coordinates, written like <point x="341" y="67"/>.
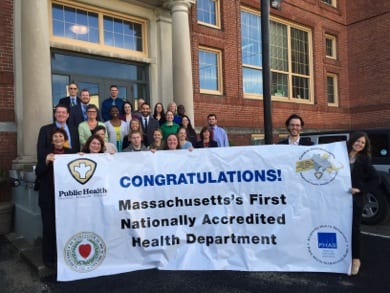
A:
<point x="369" y="43"/>
<point x="8" y="140"/>
<point x="234" y="111"/>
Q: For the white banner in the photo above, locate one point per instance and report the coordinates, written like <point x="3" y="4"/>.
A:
<point x="256" y="208"/>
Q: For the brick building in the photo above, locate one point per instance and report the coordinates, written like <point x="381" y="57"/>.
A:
<point x="329" y="62"/>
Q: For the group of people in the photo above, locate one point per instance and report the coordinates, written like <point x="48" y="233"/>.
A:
<point x="78" y="128"/>
<point x="81" y="127"/>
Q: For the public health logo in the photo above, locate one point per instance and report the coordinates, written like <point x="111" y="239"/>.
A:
<point x="318" y="166"/>
<point x="82" y="169"/>
<point x="328" y="245"/>
<point x="84" y="252"/>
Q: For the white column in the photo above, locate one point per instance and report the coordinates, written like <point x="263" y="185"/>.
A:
<point x="165" y="70"/>
<point x="33" y="101"/>
<point x="181" y="55"/>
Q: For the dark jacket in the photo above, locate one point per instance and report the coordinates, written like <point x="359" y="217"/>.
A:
<point x="212" y="144"/>
<point x="45" y="140"/>
<point x="191" y="136"/>
<point x="363" y="174"/>
<point x="148" y="133"/>
<point x="66" y="101"/>
<point x="302" y="141"/>
<point x="45" y="177"/>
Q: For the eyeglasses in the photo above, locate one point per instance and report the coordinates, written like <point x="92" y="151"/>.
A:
<point x="73" y="88"/>
<point x="91" y="111"/>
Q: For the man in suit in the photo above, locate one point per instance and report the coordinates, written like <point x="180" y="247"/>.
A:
<point x="61" y="114"/>
<point x="78" y="113"/>
<point x="72" y="99"/>
<point x="148" y="124"/>
<point x="294" y="125"/>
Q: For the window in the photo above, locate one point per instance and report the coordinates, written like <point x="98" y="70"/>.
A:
<point x="75" y="24"/>
<point x="290" y="57"/>
<point x="330" y="46"/>
<point x="208" y="12"/>
<point x="330" y="2"/>
<point x="210" y="71"/>
<point x="122" y="34"/>
<point x="94" y="27"/>
<point x="332" y="89"/>
<point x="332" y="138"/>
<point x="251" y="53"/>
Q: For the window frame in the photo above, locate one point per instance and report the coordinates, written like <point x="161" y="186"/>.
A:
<point x="101" y="43"/>
<point x="332" y="3"/>
<point x="333" y="39"/>
<point x="218" y="53"/>
<point x="290" y="73"/>
<point x="335" y="79"/>
<point x="217" y="24"/>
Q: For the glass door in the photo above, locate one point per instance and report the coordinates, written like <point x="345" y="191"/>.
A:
<point x="97" y="75"/>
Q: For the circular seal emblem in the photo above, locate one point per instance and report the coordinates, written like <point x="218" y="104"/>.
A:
<point x="318" y="166"/>
<point x="84" y="252"/>
<point x="327" y="244"/>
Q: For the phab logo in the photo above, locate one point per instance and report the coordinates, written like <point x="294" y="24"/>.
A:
<point x="318" y="166"/>
<point x="82" y="169"/>
<point x="327" y="240"/>
<point x="328" y="245"/>
<point x="84" y="252"/>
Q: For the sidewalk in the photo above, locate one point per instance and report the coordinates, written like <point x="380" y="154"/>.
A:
<point x="30" y="253"/>
<point x="21" y="270"/>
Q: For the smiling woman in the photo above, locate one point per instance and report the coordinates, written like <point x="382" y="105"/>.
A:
<point x="94" y="145"/>
<point x="44" y="173"/>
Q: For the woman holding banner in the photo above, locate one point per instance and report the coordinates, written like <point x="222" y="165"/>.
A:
<point x="363" y="175"/>
<point x="44" y="173"/>
<point x="172" y="142"/>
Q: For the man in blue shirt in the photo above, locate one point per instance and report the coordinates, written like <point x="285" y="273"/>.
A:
<point x="217" y="133"/>
<point x="113" y="100"/>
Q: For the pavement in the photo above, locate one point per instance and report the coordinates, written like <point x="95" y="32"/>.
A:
<point x="18" y="256"/>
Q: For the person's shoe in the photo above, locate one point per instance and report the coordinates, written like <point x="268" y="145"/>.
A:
<point x="355" y="266"/>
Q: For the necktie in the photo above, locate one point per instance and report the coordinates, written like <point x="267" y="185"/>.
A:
<point x="73" y="101"/>
<point x="211" y="129"/>
<point x="146" y="123"/>
<point x="84" y="108"/>
<point x="66" y="144"/>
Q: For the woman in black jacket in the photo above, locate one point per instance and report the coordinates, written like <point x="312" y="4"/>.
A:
<point x="363" y="175"/>
<point x="45" y="177"/>
<point x="205" y="139"/>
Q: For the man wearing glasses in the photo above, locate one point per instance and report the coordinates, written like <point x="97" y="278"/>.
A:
<point x="72" y="99"/>
<point x="294" y="125"/>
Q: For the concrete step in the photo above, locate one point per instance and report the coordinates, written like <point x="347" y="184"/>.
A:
<point x="31" y="253"/>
